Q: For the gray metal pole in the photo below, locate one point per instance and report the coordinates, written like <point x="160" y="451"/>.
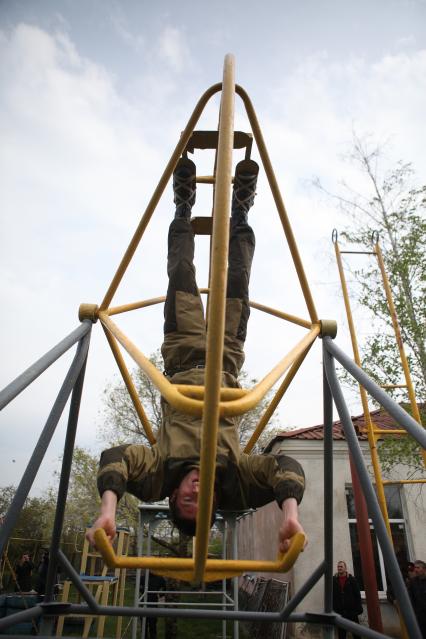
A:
<point x="328" y="631"/>
<point x="235" y="579"/>
<point x="392" y="566"/>
<point x="43" y="443"/>
<point x="64" y="480"/>
<point x="399" y="414"/>
<point x="35" y="370"/>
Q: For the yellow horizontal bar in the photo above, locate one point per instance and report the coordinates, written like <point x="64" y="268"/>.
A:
<point x="135" y="305"/>
<point x="205" y="179"/>
<point x="192" y="406"/>
<point x="384" y="431"/>
<point x="197" y="392"/>
<point x="393" y="385"/>
<point x="286" y="316"/>
<point x="405" y="481"/>
<point x="214" y="567"/>
<point x="124" y="308"/>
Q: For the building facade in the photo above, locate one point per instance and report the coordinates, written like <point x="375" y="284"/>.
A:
<point x="258" y="532"/>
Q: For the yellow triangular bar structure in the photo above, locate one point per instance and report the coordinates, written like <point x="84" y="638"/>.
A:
<point x="211" y="401"/>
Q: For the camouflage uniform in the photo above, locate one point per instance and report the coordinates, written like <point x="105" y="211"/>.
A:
<point x="242" y="481"/>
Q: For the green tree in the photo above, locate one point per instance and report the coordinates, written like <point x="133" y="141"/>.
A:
<point x="394" y="207"/>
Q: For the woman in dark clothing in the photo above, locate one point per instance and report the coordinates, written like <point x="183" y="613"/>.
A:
<point x="23" y="572"/>
<point x="346" y="596"/>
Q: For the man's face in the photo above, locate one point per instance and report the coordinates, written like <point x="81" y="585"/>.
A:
<point x="186" y="496"/>
<point x="341" y="568"/>
<point x="419" y="570"/>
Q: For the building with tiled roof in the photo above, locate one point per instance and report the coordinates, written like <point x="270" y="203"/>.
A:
<point x="379" y="417"/>
<point x="258" y="532"/>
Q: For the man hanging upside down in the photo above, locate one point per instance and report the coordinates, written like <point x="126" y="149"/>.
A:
<point x="171" y="467"/>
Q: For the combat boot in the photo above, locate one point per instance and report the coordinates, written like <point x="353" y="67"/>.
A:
<point x="244" y="190"/>
<point x="184" y="187"/>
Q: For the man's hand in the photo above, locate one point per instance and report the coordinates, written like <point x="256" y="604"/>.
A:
<point x="290" y="524"/>
<point x="106" y="519"/>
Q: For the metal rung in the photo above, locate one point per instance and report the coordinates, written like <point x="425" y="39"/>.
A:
<point x="209" y="140"/>
<point x="202" y="225"/>
<point x="358" y="252"/>
<point x="393" y="385"/>
<point x="384" y="431"/>
<point x="404" y="481"/>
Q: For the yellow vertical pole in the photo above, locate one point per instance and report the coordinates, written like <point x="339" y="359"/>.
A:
<point x="258" y="136"/>
<point x="370" y="430"/>
<point x="216" y="317"/>
<point x="398" y="336"/>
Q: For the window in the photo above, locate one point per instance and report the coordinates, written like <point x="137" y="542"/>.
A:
<point x="399" y="537"/>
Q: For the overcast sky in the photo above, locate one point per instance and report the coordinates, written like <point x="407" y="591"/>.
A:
<point x="93" y="97"/>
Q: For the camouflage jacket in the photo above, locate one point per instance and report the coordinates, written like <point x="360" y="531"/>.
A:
<point x="242" y="481"/>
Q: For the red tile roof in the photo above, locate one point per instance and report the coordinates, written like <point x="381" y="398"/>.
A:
<point x="380" y="418"/>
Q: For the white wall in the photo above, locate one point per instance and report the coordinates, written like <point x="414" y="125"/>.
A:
<point x="260" y="530"/>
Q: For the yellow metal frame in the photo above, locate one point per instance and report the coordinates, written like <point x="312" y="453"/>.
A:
<point x="185" y="568"/>
<point x="374" y="433"/>
<point x="211" y="401"/>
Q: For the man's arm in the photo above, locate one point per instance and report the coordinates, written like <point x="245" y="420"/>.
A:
<point x="106" y="519"/>
<point x="290" y="524"/>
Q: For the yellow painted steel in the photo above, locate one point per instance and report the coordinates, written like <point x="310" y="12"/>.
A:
<point x="211" y="401"/>
<point x="263" y="152"/>
<point x="195" y="406"/>
<point x="264" y="420"/>
<point x="407" y="375"/>
<point x="404" y="481"/>
<point x="285" y="316"/>
<point x="216" y="316"/>
<point x="181" y="568"/>
<point x="180" y="147"/>
<point x="130" y="387"/>
<point x="116" y="310"/>
<point x="370" y="428"/>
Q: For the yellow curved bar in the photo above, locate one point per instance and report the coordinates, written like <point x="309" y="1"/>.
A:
<point x="180" y="147"/>
<point x="197" y="392"/>
<point x="263" y="152"/>
<point x="182" y="568"/>
<point x="215" y="315"/>
<point x="193" y="406"/>
<point x="134" y="396"/>
<point x="275" y="401"/>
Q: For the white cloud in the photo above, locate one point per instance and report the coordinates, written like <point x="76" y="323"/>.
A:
<point x="121" y="26"/>
<point x="173" y="49"/>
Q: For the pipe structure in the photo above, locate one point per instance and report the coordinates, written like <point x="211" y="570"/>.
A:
<point x="328" y="503"/>
<point x="399" y="414"/>
<point x="263" y="152"/>
<point x="16" y="387"/>
<point x="275" y="401"/>
<point x="182" y="568"/>
<point x="194" y="406"/>
<point x="179" y="149"/>
<point x="134" y="396"/>
<point x="363" y="526"/>
<point x="61" y="500"/>
<point x="392" y="566"/>
<point x="46" y="435"/>
<point x="398" y="336"/>
<point x="372" y="440"/>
